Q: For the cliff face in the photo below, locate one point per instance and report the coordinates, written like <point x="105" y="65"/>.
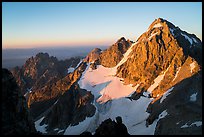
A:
<point x="78" y="107"/>
<point x="161" y="50"/>
<point x="42" y="99"/>
<point x="112" y="56"/>
<point x="39" y="75"/>
<point x="16" y="119"/>
<point x="93" y="55"/>
<point x="184" y="107"/>
<point x="40" y="70"/>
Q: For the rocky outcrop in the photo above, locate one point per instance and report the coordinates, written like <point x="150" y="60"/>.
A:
<point x="39" y="79"/>
<point x="78" y="107"/>
<point x="110" y="127"/>
<point x="112" y="56"/>
<point x="184" y="106"/>
<point x="15" y="116"/>
<point x="41" y="70"/>
<point x="43" y="98"/>
<point x="159" y="51"/>
<point x="93" y="55"/>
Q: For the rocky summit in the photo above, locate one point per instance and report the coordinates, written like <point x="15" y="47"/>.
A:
<point x="152" y="84"/>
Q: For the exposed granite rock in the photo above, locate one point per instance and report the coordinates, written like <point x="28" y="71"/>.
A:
<point x="41" y="71"/>
<point x="15" y="116"/>
<point x="46" y="96"/>
<point x="71" y="108"/>
<point x="112" y="56"/>
<point x="156" y="51"/>
<point x="93" y="55"/>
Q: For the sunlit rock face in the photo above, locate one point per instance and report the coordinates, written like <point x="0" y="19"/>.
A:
<point x="161" y="52"/>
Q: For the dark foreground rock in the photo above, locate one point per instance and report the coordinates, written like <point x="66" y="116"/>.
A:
<point x="110" y="127"/>
<point x="15" y="116"/>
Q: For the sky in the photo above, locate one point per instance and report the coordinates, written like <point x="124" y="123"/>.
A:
<point x="53" y="24"/>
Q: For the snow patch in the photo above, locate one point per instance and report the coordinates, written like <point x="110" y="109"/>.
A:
<point x="40" y="128"/>
<point x="163" y="114"/>
<point x="126" y="55"/>
<point x="193" y="97"/>
<point x="29" y="89"/>
<point x="157" y="25"/>
<point x="78" y="129"/>
<point x="60" y="131"/>
<point x="152" y="35"/>
<point x="176" y="73"/>
<point x="70" y="70"/>
<point x="197" y="124"/>
<point x="187" y="37"/>
<point x="178" y="122"/>
<point x="192" y="65"/>
<point x="55" y="102"/>
<point x="166" y="94"/>
<point x="157" y="81"/>
<point x="79" y="63"/>
<point x="56" y="129"/>
<point x="184" y="126"/>
<point x="172" y="31"/>
<point x="195" y="40"/>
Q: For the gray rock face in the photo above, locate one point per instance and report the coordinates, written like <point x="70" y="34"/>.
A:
<point x="71" y="108"/>
<point x="15" y="116"/>
<point x="181" y="108"/>
<point x="43" y="99"/>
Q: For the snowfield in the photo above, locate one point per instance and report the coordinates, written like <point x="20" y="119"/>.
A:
<point x="166" y="94"/>
<point x="111" y="101"/>
<point x="40" y="128"/>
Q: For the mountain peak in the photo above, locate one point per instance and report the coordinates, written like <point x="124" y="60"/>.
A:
<point x="122" y="39"/>
<point x="41" y="54"/>
<point x="93" y="55"/>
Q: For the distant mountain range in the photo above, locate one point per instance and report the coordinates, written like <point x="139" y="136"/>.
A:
<point x="153" y="86"/>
